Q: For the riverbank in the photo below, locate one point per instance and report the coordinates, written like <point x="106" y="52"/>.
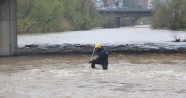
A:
<point x="138" y="39"/>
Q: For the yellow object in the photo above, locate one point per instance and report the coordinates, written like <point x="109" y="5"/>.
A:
<point x="97" y="45"/>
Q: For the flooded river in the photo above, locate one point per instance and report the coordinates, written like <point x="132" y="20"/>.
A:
<point x="70" y="76"/>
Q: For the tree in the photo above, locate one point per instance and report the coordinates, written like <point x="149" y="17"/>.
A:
<point x="39" y="16"/>
<point x="81" y="14"/>
<point x="56" y="15"/>
<point x="170" y="14"/>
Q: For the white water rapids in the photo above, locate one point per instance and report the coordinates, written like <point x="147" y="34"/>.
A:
<point x="70" y="76"/>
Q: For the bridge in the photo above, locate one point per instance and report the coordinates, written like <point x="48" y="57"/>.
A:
<point x="121" y="12"/>
<point x="126" y="12"/>
<point x="8" y="23"/>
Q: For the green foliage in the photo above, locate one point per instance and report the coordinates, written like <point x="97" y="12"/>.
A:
<point x="55" y="15"/>
<point x="159" y="20"/>
<point x="170" y="14"/>
<point x="39" y="16"/>
<point x="81" y="14"/>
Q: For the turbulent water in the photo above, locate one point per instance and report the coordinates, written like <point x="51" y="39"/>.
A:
<point x="70" y="76"/>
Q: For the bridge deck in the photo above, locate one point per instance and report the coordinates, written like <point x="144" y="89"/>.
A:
<point x="126" y="13"/>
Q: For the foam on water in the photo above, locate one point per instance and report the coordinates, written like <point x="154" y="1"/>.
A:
<point x="127" y="76"/>
<point x="158" y="74"/>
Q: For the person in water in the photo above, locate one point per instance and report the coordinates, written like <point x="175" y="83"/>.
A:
<point x="102" y="57"/>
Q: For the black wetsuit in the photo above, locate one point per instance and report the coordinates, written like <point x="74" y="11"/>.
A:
<point x="102" y="58"/>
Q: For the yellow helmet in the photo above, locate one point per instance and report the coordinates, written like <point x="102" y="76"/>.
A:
<point x="97" y="45"/>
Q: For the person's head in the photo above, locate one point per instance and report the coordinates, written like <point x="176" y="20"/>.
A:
<point x="97" y="46"/>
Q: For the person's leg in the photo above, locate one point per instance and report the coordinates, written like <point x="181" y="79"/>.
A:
<point x="94" y="63"/>
<point x="105" y="65"/>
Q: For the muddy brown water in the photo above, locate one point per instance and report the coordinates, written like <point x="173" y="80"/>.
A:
<point x="70" y="76"/>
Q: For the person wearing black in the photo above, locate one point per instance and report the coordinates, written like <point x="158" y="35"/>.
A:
<point x="102" y="57"/>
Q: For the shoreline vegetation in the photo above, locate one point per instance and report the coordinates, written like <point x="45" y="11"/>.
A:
<point x="82" y="15"/>
<point x="38" y="16"/>
<point x="170" y="14"/>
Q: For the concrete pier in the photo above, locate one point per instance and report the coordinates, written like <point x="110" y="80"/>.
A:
<point x="8" y="28"/>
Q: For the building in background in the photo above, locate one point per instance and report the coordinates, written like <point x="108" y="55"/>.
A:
<point x="113" y="3"/>
<point x="142" y="3"/>
<point x="150" y="4"/>
<point x="108" y="3"/>
<point x="118" y="3"/>
<point x="146" y="4"/>
<point x="98" y="3"/>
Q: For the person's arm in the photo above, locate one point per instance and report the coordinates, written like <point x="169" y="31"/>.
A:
<point x="100" y="56"/>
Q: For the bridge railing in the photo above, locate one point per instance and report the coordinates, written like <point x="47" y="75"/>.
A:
<point x="123" y="9"/>
<point x="127" y="4"/>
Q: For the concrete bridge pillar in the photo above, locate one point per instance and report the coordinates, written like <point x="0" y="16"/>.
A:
<point x="8" y="28"/>
<point x="118" y="21"/>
